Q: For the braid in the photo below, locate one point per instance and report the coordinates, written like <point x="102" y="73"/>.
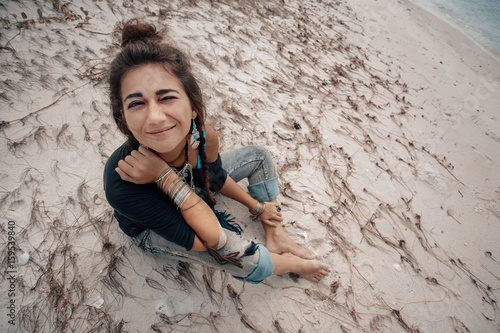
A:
<point x="204" y="164"/>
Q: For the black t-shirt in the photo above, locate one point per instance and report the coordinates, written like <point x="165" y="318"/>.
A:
<point x="141" y="207"/>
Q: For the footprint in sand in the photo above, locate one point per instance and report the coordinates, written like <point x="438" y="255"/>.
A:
<point x="434" y="178"/>
<point x="367" y="272"/>
<point x="439" y="310"/>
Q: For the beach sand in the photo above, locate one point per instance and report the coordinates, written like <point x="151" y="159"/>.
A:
<point x="384" y="125"/>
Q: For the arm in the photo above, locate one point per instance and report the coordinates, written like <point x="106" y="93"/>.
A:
<point x="143" y="166"/>
<point x="200" y="218"/>
<point x="232" y="190"/>
<point x="235" y="192"/>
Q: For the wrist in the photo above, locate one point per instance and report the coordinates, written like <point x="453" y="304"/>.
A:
<point x="179" y="194"/>
<point x="163" y="170"/>
<point x="177" y="190"/>
<point x="252" y="205"/>
<point x="164" y="178"/>
<point x="259" y="209"/>
<point x="168" y="181"/>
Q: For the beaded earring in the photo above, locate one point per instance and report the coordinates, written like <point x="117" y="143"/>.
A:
<point x="195" y="135"/>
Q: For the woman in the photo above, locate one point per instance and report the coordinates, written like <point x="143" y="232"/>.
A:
<point x="161" y="182"/>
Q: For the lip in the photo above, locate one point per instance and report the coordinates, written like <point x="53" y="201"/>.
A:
<point x="160" y="131"/>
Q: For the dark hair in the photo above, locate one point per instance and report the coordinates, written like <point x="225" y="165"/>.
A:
<point x="142" y="44"/>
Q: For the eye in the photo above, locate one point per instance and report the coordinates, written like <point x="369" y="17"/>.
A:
<point x="166" y="98"/>
<point x="134" y="104"/>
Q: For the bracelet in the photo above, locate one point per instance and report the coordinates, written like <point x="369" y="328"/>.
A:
<point x="183" y="200"/>
<point x="165" y="181"/>
<point x="172" y="187"/>
<point x="197" y="202"/>
<point x="181" y="195"/>
<point x="261" y="207"/>
<point x="165" y="172"/>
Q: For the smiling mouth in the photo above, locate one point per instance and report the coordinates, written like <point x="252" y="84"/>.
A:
<point x="161" y="130"/>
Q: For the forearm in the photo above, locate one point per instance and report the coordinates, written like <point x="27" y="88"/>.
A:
<point x="143" y="166"/>
<point x="235" y="192"/>
<point x="199" y="216"/>
<point x="271" y="214"/>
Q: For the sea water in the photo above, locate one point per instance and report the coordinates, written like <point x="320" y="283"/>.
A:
<point x="479" y="19"/>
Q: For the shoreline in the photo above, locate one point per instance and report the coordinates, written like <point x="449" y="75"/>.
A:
<point x="439" y="14"/>
<point x="434" y="51"/>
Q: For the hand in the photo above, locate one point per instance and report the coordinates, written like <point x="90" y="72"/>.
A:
<point x="142" y="166"/>
<point x="271" y="214"/>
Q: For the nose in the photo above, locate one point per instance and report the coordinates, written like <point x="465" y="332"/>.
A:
<point x="156" y="114"/>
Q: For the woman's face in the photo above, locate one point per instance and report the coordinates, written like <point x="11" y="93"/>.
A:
<point x="156" y="108"/>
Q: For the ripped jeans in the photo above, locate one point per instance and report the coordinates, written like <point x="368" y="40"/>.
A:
<point x="254" y="163"/>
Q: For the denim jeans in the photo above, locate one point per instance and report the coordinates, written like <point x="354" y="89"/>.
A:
<point x="254" y="163"/>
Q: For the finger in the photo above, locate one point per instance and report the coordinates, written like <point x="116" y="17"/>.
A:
<point x="148" y="153"/>
<point x="124" y="176"/>
<point x="275" y="215"/>
<point x="144" y="151"/>
<point x="130" y="160"/>
<point x="125" y="166"/>
<point x="269" y="223"/>
<point x="278" y="207"/>
<point x="272" y="204"/>
<point x="278" y="218"/>
<point x="137" y="154"/>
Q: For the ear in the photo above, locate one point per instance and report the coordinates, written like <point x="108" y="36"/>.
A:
<point x="194" y="114"/>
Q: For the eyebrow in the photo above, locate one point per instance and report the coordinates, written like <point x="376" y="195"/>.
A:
<point x="158" y="93"/>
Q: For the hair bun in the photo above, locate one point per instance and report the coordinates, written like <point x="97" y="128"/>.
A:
<point x="134" y="31"/>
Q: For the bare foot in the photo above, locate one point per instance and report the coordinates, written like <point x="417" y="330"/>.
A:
<point x="277" y="241"/>
<point x="312" y="270"/>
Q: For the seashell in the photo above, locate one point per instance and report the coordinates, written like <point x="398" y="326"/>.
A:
<point x="99" y="301"/>
<point x="23" y="259"/>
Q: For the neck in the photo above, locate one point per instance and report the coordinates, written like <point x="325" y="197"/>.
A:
<point x="175" y="158"/>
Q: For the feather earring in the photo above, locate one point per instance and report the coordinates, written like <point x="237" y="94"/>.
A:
<point x="195" y="135"/>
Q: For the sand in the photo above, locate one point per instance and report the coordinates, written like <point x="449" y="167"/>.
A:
<point x="384" y="124"/>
